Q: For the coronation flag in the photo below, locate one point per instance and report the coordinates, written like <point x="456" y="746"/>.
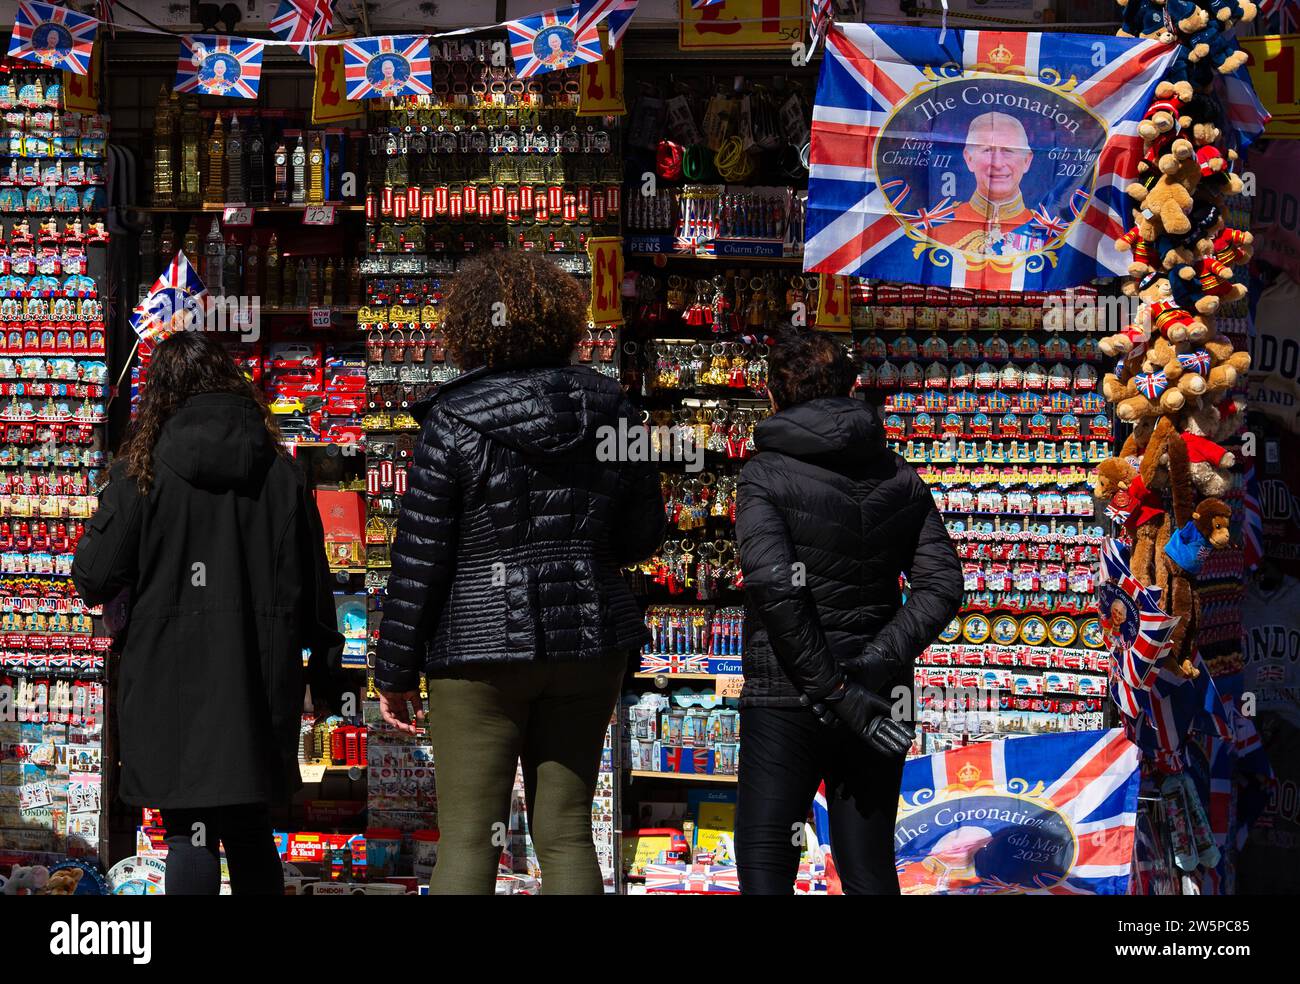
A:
<point x="174" y="302"/>
<point x="53" y="36"/>
<point x="219" y="66"/>
<point x="1046" y="814"/>
<point x="990" y="160"/>
<point x="377" y="68"/>
<point x="553" y="40"/>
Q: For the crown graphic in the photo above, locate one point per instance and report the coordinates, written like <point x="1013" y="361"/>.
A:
<point x="1001" y="55"/>
<point x="968" y="774"/>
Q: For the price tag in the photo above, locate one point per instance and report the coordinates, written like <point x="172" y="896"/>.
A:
<point x="311" y="773"/>
<point x="242" y="216"/>
<point x="729" y="685"/>
<point x="320" y="215"/>
<point x="321" y="317"/>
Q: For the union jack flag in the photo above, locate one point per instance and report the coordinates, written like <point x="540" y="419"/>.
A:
<point x="674" y="664"/>
<point x="175" y="298"/>
<point x="377" y="68"/>
<point x="53" y="36"/>
<point x="618" y="12"/>
<point x="1151" y="384"/>
<point x="692" y="879"/>
<point x="240" y="61"/>
<point x="553" y="40"/>
<point x="965" y="815"/>
<point x="879" y="95"/>
<point x="1252" y="524"/>
<point x="1244" y="111"/>
<point x="818" y="20"/>
<point x="300" y="21"/>
<point x="1137" y="649"/>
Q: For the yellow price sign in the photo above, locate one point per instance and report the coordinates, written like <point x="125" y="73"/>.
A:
<point x="601" y="82"/>
<point x="81" y="92"/>
<point x="606" y="254"/>
<point x="834" y="308"/>
<point x="330" y="102"/>
<point x="752" y="24"/>
<point x="1274" y="67"/>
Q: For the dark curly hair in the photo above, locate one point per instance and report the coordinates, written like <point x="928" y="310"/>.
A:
<point x="808" y="365"/>
<point x="184" y="365"/>
<point x="512" y="309"/>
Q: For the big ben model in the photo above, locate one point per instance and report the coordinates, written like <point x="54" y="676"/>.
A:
<point x="271" y="294"/>
<point x="315" y="169"/>
<point x="214" y="189"/>
<point x="256" y="165"/>
<point x="281" y="164"/>
<point x="298" y="173"/>
<point x="191" y="127"/>
<point x="234" y="163"/>
<point x="164" y="166"/>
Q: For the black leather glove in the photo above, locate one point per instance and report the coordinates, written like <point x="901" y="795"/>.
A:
<point x="866" y="715"/>
<point x="874" y="668"/>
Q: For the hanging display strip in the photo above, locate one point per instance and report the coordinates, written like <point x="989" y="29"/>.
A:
<point x="53" y="390"/>
<point x="991" y="395"/>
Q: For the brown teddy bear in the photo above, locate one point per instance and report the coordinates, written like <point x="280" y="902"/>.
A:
<point x="1165" y="207"/>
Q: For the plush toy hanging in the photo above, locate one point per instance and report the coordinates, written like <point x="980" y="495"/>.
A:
<point x="1175" y="374"/>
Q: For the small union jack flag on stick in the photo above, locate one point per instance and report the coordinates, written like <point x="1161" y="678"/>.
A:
<point x="53" y="36"/>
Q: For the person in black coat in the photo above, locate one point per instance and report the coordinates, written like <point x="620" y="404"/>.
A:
<point x="506" y="589"/>
<point x="827" y="519"/>
<point x="210" y="530"/>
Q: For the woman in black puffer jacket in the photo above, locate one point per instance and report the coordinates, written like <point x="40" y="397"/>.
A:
<point x="827" y="519"/>
<point x="506" y="589"/>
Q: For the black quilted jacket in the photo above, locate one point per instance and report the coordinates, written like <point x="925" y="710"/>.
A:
<point x="827" y="518"/>
<point x="513" y="529"/>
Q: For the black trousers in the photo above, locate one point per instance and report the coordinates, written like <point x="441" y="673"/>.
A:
<point x="193" y="860"/>
<point x="785" y="753"/>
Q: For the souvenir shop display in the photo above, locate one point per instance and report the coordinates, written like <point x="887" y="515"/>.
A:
<point x="1090" y="471"/>
<point x="54" y="387"/>
<point x="992" y="397"/>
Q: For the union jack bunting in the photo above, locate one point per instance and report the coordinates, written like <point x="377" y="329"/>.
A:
<point x="53" y="36"/>
<point x="553" y="40"/>
<point x="379" y="68"/>
<point x="1013" y="151"/>
<point x="219" y="66"/>
<point x="965" y="816"/>
<point x="301" y="21"/>
<point x="691" y="879"/>
<point x="173" y="302"/>
<point x="617" y="13"/>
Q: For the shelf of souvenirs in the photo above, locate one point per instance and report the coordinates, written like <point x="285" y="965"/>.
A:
<point x="223" y="208"/>
<point x="997" y="533"/>
<point x="681" y="776"/>
<point x="1047" y="451"/>
<point x="39" y="595"/>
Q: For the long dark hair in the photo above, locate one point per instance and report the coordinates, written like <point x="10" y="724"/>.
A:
<point x="184" y="365"/>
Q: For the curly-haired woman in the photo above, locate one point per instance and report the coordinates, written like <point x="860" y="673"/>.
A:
<point x="505" y="589"/>
<point x="209" y="527"/>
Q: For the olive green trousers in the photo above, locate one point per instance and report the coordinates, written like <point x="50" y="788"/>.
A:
<point x="549" y="716"/>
